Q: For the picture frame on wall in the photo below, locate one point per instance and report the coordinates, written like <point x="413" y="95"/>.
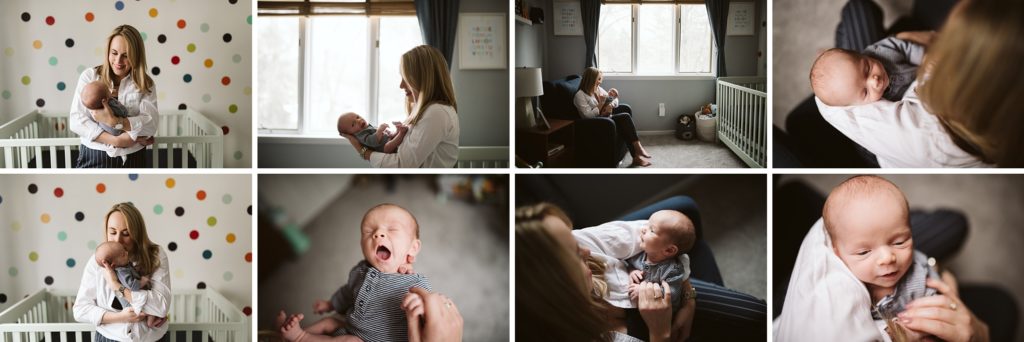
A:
<point x="482" y="41"/>
<point x="567" y="19"/>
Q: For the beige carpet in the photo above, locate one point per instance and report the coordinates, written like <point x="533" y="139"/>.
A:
<point x="670" y="152"/>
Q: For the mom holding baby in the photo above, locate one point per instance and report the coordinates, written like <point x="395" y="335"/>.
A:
<point x="431" y="131"/>
<point x="113" y="295"/>
<point x="114" y="110"/>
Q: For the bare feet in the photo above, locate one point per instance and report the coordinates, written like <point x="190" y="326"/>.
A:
<point x="291" y="330"/>
<point x="639" y="162"/>
<point x="279" y="320"/>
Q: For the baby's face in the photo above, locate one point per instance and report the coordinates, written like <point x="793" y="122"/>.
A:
<point x="112" y="252"/>
<point x="94" y="94"/>
<point x="350" y="123"/>
<point x="389" y="238"/>
<point x="655" y="239"/>
<point x="851" y="79"/>
<point x="873" y="239"/>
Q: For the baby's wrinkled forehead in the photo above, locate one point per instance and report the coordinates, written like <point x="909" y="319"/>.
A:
<point x="392" y="215"/>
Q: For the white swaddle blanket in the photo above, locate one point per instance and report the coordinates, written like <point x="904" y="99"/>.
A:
<point x="825" y="301"/>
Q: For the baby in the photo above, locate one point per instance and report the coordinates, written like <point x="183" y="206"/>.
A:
<point x="372" y="299"/>
<point x="667" y="234"/>
<point x="376" y="139"/>
<point x="115" y="255"/>
<point x="868" y="220"/>
<point x="885" y="69"/>
<point x="93" y="96"/>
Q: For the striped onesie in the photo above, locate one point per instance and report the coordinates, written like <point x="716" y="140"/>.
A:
<point x="372" y="302"/>
<point x="911" y="287"/>
<point x="901" y="59"/>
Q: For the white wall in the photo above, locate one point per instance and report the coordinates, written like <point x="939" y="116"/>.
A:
<point x="206" y="23"/>
<point x="40" y="235"/>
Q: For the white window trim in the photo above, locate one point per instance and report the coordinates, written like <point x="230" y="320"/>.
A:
<point x="632" y="75"/>
<point x="305" y="64"/>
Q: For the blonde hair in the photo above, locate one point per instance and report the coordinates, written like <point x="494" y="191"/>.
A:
<point x="425" y="70"/>
<point x="145" y="253"/>
<point x="589" y="80"/>
<point x="974" y="81"/>
<point x="136" y="56"/>
<point x="552" y="303"/>
<point x="856" y="186"/>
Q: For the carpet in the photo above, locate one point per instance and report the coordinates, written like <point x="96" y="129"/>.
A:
<point x="669" y="152"/>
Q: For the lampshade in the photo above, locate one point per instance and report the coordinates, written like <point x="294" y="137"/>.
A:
<point x="528" y="82"/>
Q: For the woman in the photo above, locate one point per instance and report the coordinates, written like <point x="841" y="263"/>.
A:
<point x="97" y="300"/>
<point x="124" y="72"/>
<point x="433" y="137"/>
<point x="557" y="299"/>
<point x="590" y="102"/>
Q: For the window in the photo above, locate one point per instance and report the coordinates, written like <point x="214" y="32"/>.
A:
<point x="655" y="40"/>
<point x="348" y="64"/>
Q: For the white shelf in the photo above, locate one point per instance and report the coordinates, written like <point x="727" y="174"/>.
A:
<point x="523" y="20"/>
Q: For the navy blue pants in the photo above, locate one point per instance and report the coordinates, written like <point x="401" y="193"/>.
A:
<point x="90" y="158"/>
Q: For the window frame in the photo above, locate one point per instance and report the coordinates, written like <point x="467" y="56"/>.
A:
<point x="678" y="75"/>
<point x="304" y="82"/>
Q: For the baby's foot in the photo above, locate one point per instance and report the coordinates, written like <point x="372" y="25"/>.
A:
<point x="291" y="330"/>
<point x="279" y="320"/>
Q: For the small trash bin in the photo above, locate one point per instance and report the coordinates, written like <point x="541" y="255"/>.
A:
<point x="706" y="127"/>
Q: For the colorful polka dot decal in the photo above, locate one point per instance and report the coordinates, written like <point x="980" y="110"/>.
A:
<point x="193" y="59"/>
<point x="208" y="239"/>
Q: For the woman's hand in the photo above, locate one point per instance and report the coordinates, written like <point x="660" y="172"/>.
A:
<point x="357" y="145"/>
<point x="441" y="320"/>
<point x="945" y="316"/>
<point x="656" y="309"/>
<point x="112" y="282"/>
<point x="606" y="109"/>
<point x="145" y="141"/>
<point x="105" y="115"/>
<point x="682" y="323"/>
<point x="120" y="141"/>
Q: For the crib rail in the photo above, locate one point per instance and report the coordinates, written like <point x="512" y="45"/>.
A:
<point x="475" y="157"/>
<point x="180" y="134"/>
<point x="197" y="314"/>
<point x="741" y="118"/>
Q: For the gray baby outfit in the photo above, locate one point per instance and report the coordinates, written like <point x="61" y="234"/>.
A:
<point x="120" y="111"/>
<point x="371" y="300"/>
<point x="901" y="59"/>
<point x="129" y="277"/>
<point x="910" y="287"/>
<point x="368" y="137"/>
<point x="672" y="270"/>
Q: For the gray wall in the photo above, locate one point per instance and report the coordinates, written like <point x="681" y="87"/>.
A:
<point x="563" y="55"/>
<point x="482" y="97"/>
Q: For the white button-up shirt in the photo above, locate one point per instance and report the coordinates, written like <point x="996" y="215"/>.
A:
<point x="142" y="114"/>
<point x="612" y="243"/>
<point x="901" y="134"/>
<point x="587" y="104"/>
<point x="433" y="142"/>
<point x="95" y="297"/>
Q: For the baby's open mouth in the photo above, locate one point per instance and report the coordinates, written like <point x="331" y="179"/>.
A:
<point x="383" y="253"/>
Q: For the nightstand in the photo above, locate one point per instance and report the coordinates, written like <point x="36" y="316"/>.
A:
<point x="553" y="146"/>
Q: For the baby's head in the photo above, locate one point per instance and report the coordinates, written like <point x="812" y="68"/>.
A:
<point x="868" y="219"/>
<point x="112" y="252"/>
<point x="93" y="95"/>
<point x="350" y="123"/>
<point x="667" y="233"/>
<point x="842" y="77"/>
<point x="390" y="237"/>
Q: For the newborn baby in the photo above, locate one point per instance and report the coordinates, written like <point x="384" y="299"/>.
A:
<point x="94" y="95"/>
<point x="116" y="256"/>
<point x="885" y="69"/>
<point x="376" y="298"/>
<point x="376" y="139"/>
<point x="868" y="219"/>
<point x="667" y="234"/>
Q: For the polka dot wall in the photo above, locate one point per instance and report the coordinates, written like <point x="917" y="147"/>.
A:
<point x="198" y="53"/>
<point x="50" y="226"/>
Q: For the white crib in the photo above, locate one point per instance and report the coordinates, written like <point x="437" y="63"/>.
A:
<point x="184" y="139"/>
<point x="476" y="157"/>
<point x="47" y="316"/>
<point x="741" y="117"/>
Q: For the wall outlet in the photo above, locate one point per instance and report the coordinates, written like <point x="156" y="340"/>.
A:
<point x="661" y="109"/>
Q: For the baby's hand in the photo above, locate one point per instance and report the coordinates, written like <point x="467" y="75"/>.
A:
<point x="322" y="306"/>
<point x="634" y="294"/>
<point x="405" y="269"/>
<point x="402" y="129"/>
<point x="636" y="276"/>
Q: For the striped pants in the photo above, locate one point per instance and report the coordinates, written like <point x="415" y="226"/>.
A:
<point x="90" y="158"/>
<point x="100" y="338"/>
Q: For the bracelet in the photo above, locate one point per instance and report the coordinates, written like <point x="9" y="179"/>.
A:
<point x="362" y="152"/>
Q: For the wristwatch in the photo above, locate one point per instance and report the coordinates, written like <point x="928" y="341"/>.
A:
<point x="690" y="294"/>
<point x="122" y="288"/>
<point x="362" y="152"/>
<point x="119" y="126"/>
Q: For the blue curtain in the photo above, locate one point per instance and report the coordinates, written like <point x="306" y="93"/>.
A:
<point x="718" y="13"/>
<point x="591" y="14"/>
<point x="438" y="20"/>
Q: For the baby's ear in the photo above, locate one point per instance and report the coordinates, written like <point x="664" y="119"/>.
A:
<point x="414" y="249"/>
<point x="671" y="249"/>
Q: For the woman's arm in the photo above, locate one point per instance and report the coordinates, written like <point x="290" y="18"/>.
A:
<point x="420" y="141"/>
<point x="656" y="309"/>
<point x="616" y="239"/>
<point x="144" y="124"/>
<point x="944" y="316"/>
<point x="157" y="300"/>
<point x="582" y="102"/>
<point x="85" y="309"/>
<point x="682" y="323"/>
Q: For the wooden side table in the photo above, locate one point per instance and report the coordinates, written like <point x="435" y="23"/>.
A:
<point x="553" y="146"/>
